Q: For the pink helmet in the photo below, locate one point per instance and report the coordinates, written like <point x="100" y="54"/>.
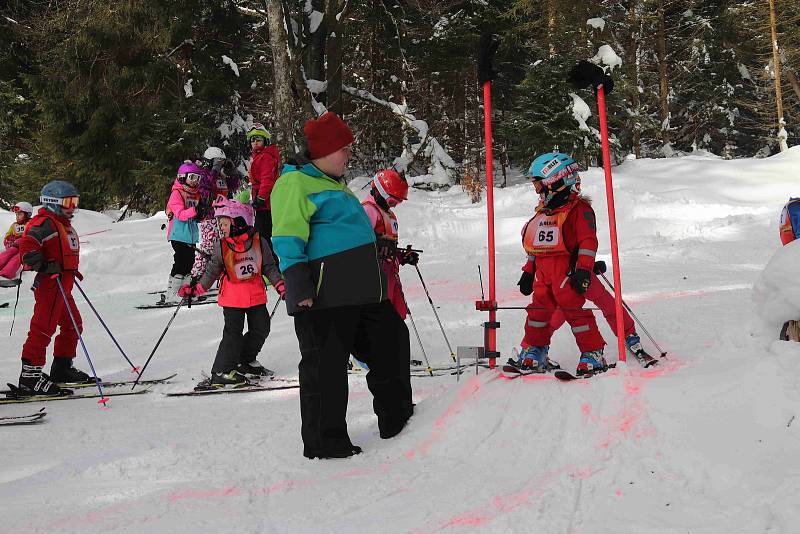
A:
<point x="189" y="173"/>
<point x="233" y="209"/>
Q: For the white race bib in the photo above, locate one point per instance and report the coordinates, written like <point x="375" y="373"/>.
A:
<point x="246" y="269"/>
<point x="546" y="237"/>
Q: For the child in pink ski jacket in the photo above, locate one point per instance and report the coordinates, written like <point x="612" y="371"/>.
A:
<point x="238" y="261"/>
<point x="9" y="259"/>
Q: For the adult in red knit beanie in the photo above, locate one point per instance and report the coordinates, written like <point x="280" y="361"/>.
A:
<point x="336" y="292"/>
<point x="264" y="172"/>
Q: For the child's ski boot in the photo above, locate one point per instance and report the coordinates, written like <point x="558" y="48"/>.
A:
<point x="591" y="362"/>
<point x="635" y="348"/>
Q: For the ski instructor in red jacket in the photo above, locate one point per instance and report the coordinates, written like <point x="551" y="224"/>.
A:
<point x="264" y="172"/>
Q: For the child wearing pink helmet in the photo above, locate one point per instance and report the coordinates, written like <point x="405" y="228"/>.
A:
<point x="238" y="262"/>
<point x="183" y="231"/>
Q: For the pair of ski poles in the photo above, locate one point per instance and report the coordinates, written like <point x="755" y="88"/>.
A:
<point x="103" y="399"/>
<point x="435" y="313"/>
<point x="166" y="328"/>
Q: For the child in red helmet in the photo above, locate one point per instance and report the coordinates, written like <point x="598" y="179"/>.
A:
<point x="10" y="260"/>
<point x="238" y="260"/>
<point x="388" y="190"/>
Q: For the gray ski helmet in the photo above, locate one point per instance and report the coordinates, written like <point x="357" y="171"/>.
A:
<point x="55" y="192"/>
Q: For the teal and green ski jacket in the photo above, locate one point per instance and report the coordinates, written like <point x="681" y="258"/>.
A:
<point x="324" y="240"/>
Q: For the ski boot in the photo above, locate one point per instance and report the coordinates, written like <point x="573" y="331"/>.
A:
<point x="254" y="369"/>
<point x="532" y="359"/>
<point x="34" y="383"/>
<point x="62" y="371"/>
<point x="233" y="379"/>
<point x="591" y="362"/>
<point x="635" y="348"/>
<point x="170" y="296"/>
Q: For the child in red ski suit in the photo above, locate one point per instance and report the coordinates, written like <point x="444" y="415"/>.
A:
<point x="561" y="243"/>
<point x="51" y="247"/>
<point x="10" y="260"/>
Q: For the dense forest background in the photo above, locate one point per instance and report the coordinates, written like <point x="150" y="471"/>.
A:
<point x="113" y="95"/>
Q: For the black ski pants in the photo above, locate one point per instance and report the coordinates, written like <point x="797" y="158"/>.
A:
<point x="327" y="337"/>
<point x="263" y="226"/>
<point x="182" y="259"/>
<point x="235" y="347"/>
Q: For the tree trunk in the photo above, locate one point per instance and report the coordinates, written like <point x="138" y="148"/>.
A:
<point x="314" y="44"/>
<point x="632" y="64"/>
<point x="663" y="94"/>
<point x="284" y="113"/>
<point x="551" y="26"/>
<point x="793" y="80"/>
<point x="333" y="56"/>
<point x="776" y="66"/>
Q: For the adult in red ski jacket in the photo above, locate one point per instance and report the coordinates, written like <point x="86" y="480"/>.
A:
<point x="264" y="172"/>
<point x="51" y="247"/>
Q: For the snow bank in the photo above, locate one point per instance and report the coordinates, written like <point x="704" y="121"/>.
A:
<point x="777" y="291"/>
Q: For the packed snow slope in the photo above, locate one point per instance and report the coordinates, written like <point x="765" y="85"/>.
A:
<point x="706" y="442"/>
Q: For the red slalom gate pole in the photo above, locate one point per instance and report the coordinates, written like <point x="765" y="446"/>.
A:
<point x="491" y="332"/>
<point x="612" y="220"/>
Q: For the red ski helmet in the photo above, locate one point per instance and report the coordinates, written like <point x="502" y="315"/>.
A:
<point x="389" y="183"/>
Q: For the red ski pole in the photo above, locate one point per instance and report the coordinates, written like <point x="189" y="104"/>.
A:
<point x="486" y="48"/>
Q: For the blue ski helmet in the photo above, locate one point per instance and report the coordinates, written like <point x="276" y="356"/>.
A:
<point x="556" y="171"/>
<point x="58" y="194"/>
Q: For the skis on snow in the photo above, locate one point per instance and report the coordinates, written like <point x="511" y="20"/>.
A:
<point x="566" y="376"/>
<point x="171" y="305"/>
<point x="14" y="397"/>
<point x="247" y="388"/>
<point x="113" y="383"/>
<point x="28" y="419"/>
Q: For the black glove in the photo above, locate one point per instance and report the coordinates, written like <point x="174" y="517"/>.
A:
<point x="580" y="280"/>
<point x="409" y="257"/>
<point x="599" y="267"/>
<point x="50" y="267"/>
<point x="487" y="46"/>
<point x="203" y="208"/>
<point x="258" y="203"/>
<point x="586" y="74"/>
<point x="526" y="283"/>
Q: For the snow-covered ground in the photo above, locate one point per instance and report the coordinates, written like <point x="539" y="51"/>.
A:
<point x="707" y="442"/>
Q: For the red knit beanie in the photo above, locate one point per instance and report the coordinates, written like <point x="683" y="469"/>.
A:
<point x="326" y="135"/>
